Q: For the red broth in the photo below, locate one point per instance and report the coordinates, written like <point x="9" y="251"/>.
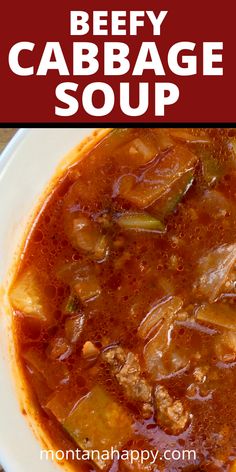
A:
<point x="124" y="302"/>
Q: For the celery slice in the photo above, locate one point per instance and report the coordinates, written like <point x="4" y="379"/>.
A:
<point x="167" y="204"/>
<point x="140" y="222"/>
<point x="211" y="167"/>
<point x="72" y="304"/>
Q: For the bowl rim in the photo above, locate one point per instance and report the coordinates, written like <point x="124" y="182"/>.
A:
<point x="21" y="393"/>
<point x="11" y="146"/>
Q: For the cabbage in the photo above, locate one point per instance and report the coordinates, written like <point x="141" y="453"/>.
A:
<point x="218" y="314"/>
<point x="213" y="271"/>
<point x="159" y="178"/>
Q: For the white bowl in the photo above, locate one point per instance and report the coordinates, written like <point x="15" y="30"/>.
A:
<point x="26" y="166"/>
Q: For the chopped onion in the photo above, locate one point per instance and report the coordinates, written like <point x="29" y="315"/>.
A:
<point x="82" y="280"/>
<point x="74" y="327"/>
<point x="87" y="288"/>
<point x="145" y="149"/>
<point x="87" y="235"/>
<point x="59" y="348"/>
<point x="138" y="151"/>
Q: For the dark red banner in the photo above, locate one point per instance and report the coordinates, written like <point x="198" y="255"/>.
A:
<point x="166" y="61"/>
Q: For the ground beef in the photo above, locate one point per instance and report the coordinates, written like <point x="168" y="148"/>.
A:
<point x="170" y="414"/>
<point x="126" y="368"/>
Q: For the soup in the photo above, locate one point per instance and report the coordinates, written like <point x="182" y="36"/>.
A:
<point x="124" y="303"/>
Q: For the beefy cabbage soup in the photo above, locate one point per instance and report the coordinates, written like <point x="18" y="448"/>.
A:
<point x="124" y="301"/>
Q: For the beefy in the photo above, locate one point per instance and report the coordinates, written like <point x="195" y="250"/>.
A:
<point x="125" y="367"/>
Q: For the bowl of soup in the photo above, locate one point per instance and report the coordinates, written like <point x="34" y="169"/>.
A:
<point x="122" y="300"/>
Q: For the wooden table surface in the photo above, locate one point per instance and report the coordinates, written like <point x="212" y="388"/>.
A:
<point x="5" y="136"/>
